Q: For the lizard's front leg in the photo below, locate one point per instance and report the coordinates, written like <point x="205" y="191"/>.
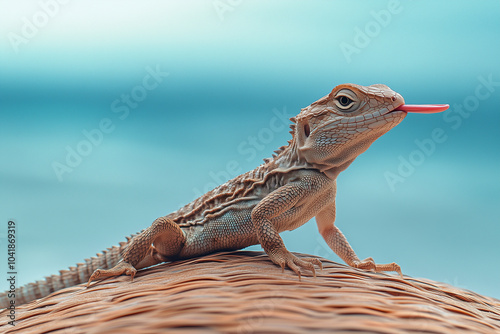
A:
<point x="273" y="205"/>
<point x="339" y="244"/>
<point x="154" y="245"/>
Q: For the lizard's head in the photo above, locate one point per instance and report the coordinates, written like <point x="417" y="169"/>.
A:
<point x="333" y="131"/>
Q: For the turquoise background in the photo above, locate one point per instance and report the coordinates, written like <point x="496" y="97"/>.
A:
<point x="230" y="64"/>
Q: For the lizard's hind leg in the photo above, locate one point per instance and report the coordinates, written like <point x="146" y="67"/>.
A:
<point x="163" y="239"/>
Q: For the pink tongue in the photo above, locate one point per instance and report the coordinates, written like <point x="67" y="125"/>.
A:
<point x="423" y="108"/>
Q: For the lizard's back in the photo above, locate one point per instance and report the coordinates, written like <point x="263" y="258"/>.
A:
<point x="221" y="219"/>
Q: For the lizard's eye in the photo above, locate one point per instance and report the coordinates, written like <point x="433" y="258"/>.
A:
<point x="343" y="102"/>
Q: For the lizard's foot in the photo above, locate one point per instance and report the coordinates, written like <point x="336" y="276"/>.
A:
<point x="369" y="264"/>
<point x="119" y="269"/>
<point x="283" y="257"/>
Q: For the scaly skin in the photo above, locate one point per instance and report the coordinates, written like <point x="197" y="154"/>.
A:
<point x="297" y="184"/>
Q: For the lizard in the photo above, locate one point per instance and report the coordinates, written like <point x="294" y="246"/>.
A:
<point x="286" y="191"/>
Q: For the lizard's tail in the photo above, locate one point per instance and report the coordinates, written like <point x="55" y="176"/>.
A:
<point x="66" y="278"/>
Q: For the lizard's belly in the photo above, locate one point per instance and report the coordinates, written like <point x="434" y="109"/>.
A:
<point x="234" y="228"/>
<point x="230" y="231"/>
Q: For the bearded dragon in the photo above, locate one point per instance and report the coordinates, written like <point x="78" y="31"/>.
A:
<point x="287" y="190"/>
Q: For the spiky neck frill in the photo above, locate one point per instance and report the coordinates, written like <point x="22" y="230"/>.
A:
<point x="287" y="157"/>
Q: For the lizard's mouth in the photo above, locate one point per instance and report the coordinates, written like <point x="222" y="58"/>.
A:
<point x="422" y="108"/>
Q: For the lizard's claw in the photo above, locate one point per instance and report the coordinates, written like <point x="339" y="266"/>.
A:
<point x="119" y="269"/>
<point x="369" y="264"/>
<point x="284" y="258"/>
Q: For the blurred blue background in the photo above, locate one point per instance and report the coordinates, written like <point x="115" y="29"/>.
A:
<point x="227" y="74"/>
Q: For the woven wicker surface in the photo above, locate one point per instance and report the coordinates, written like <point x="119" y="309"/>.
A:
<point x="243" y="292"/>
